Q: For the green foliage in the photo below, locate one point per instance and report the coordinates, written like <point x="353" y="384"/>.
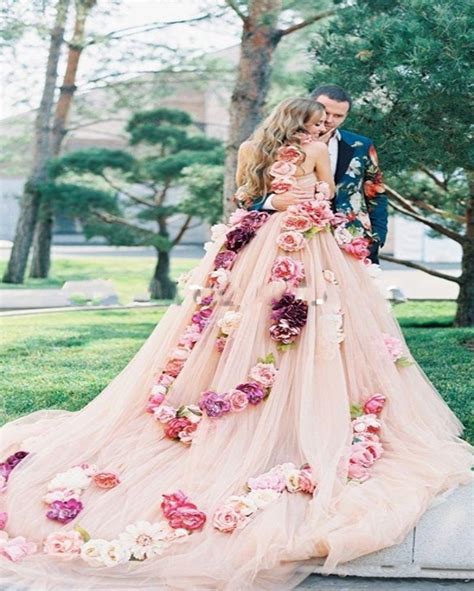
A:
<point x="204" y="199"/>
<point x="93" y="160"/>
<point x="406" y="61"/>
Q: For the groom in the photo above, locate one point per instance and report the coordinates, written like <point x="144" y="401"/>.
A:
<point x="360" y="193"/>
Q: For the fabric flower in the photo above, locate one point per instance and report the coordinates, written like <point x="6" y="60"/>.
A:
<point x="225" y="259"/>
<point x="174" y="366"/>
<point x="254" y="220"/>
<point x="359" y="248"/>
<point x="16" y="549"/>
<point x="368" y="423"/>
<point x="114" y="552"/>
<point x="264" y="374"/>
<point x="187" y="517"/>
<point x="145" y="539"/>
<point x="358" y="472"/>
<point x="220" y="277"/>
<point x="65" y="545"/>
<point x="291" y="241"/>
<point x="62" y="494"/>
<point x="394" y="347"/>
<point x="213" y="404"/>
<point x="229" y="322"/>
<point x="64" y="511"/>
<point x="291" y="309"/>
<point x="261" y="497"/>
<point x="289" y="153"/>
<point x="237" y="399"/>
<point x="282" y="168"/>
<point x="237" y="216"/>
<point x="227" y="519"/>
<point x="299" y="223"/>
<point x="106" y="479"/>
<point x="173" y="427"/>
<point x="287" y="269"/>
<point x="164" y="413"/>
<point x="73" y="478"/>
<point x="154" y="402"/>
<point x="282" y="184"/>
<point x="238" y="237"/>
<point x="274" y="481"/>
<point x="218" y="231"/>
<point x="253" y="390"/>
<point x="284" y="333"/>
<point x="3" y="519"/>
<point x="374" y="404"/>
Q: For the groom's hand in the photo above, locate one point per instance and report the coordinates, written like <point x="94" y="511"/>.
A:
<point x="281" y="201"/>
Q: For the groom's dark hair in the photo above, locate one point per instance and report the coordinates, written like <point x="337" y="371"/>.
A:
<point x="334" y="92"/>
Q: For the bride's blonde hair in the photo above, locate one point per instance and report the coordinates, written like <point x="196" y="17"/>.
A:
<point x="282" y="126"/>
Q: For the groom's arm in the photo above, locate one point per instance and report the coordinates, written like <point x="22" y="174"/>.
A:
<point x="375" y="196"/>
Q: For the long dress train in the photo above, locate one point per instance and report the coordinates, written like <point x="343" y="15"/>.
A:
<point x="347" y="443"/>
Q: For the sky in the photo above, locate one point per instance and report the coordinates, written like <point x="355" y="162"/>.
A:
<point x="24" y="71"/>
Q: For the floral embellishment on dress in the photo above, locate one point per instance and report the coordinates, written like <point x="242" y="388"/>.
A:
<point x="289" y="316"/>
<point x="394" y="347"/>
<point x="15" y="549"/>
<point x="66" y="488"/>
<point x="366" y="447"/>
<point x="8" y="466"/>
<point x="238" y="510"/>
<point x="181" y="513"/>
<point x="289" y="270"/>
<point x="227" y="324"/>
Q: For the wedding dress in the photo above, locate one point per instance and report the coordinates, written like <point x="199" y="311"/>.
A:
<point x="305" y="429"/>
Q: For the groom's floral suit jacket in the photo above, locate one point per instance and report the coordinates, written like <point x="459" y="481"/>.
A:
<point x="360" y="192"/>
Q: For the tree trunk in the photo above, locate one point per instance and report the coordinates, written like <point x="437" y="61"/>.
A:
<point x="260" y="37"/>
<point x="41" y="260"/>
<point x="161" y="285"/>
<point x="16" y="267"/>
<point x="465" y="301"/>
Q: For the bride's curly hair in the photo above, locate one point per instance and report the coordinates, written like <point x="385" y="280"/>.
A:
<point x="282" y="126"/>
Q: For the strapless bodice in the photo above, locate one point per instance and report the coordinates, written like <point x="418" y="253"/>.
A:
<point x="307" y="182"/>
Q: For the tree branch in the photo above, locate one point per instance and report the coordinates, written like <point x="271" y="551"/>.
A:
<point x="309" y="21"/>
<point x="434" y="178"/>
<point x="413" y="265"/>
<point x="109" y="218"/>
<point x="236" y="9"/>
<point x="416" y="216"/>
<point x="423" y="205"/>
<point x="140" y="200"/>
<point x="183" y="229"/>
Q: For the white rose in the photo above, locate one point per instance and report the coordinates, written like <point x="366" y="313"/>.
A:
<point x="74" y="478"/>
<point x="159" y="389"/>
<point x="229" y="322"/>
<point x="208" y="245"/>
<point x="179" y="353"/>
<point x="221" y="276"/>
<point x="342" y="235"/>
<point x="244" y="504"/>
<point x="91" y="552"/>
<point x="293" y="481"/>
<point x="263" y="496"/>
<point x="218" y="231"/>
<point x="115" y="552"/>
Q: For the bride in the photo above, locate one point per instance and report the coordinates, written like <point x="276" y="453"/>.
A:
<point x="273" y="419"/>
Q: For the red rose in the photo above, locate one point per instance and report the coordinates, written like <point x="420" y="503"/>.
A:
<point x="173" y="427"/>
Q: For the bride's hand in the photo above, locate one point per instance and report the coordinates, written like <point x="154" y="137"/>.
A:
<point x="281" y="201"/>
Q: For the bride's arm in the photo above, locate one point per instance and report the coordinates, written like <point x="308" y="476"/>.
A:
<point x="322" y="166"/>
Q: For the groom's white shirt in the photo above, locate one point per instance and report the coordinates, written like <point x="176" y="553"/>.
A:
<point x="333" y="147"/>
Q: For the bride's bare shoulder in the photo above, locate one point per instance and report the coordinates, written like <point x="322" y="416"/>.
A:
<point x="316" y="147"/>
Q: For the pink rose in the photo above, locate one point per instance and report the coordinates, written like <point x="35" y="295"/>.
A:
<point x="368" y="423"/>
<point x="174" y="366"/>
<point x="172" y="501"/>
<point x="272" y="480"/>
<point x="306" y="483"/>
<point x="264" y="374"/>
<point x="282" y="168"/>
<point x="394" y="346"/>
<point x="165" y="380"/>
<point x="220" y="343"/>
<point x="358" y="472"/>
<point x="287" y="269"/>
<point x="238" y="400"/>
<point x="164" y="413"/>
<point x="296" y="222"/>
<point x="361" y="455"/>
<point x="154" y="402"/>
<point x="319" y="212"/>
<point x="374" y="404"/>
<point x="17" y="548"/>
<point x="373" y="447"/>
<point x="186" y="435"/>
<point x="187" y="517"/>
<point x="282" y="184"/>
<point x="173" y="427"/>
<point x="3" y="519"/>
<point x="291" y="241"/>
<point x="321" y="190"/>
<point x="65" y="545"/>
<point x="358" y="248"/>
<point x="236" y="216"/>
<point x="226" y="519"/>
<point x="106" y="479"/>
<point x="289" y="153"/>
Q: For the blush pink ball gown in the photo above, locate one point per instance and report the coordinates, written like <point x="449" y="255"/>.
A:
<point x="343" y="444"/>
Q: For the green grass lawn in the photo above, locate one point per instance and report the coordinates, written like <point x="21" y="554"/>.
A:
<point x="63" y="360"/>
<point x="130" y="275"/>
